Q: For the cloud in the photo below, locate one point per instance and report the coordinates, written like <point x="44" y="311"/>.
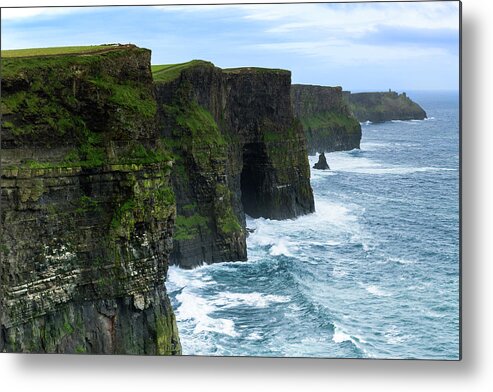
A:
<point x="356" y="17"/>
<point x="347" y="32"/>
<point x="12" y="14"/>
<point x="371" y="33"/>
<point x="349" y="54"/>
<point x="321" y="41"/>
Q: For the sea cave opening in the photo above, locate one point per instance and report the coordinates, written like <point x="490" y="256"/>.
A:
<point x="254" y="180"/>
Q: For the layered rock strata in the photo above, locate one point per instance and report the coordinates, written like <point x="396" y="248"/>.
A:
<point x="87" y="209"/>
<point x="326" y="118"/>
<point x="97" y="159"/>
<point x="383" y="106"/>
<point x="238" y="150"/>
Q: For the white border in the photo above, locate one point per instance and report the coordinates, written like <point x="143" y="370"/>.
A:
<point x="473" y="373"/>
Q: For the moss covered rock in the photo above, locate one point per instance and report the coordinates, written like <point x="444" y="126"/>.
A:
<point x="238" y="149"/>
<point x="326" y="118"/>
<point x="383" y="106"/>
<point x="87" y="206"/>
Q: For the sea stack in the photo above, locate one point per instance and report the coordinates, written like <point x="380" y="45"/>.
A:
<point x="322" y="163"/>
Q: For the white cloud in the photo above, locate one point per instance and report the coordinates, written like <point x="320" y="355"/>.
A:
<point x="334" y="33"/>
<point x="351" y="17"/>
<point x="355" y="18"/>
<point x="26" y="13"/>
<point x="335" y="36"/>
<point x="343" y="53"/>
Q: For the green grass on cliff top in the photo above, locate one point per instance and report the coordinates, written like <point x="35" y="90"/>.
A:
<point x="56" y="51"/>
<point x="255" y="69"/>
<point x="168" y="72"/>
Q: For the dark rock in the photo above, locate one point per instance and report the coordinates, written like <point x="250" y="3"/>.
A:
<point x="87" y="207"/>
<point x="383" y="106"/>
<point x="327" y="121"/>
<point x="238" y="150"/>
<point x="89" y="186"/>
<point x="322" y="163"/>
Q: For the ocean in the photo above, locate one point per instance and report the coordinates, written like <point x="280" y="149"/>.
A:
<point x="373" y="273"/>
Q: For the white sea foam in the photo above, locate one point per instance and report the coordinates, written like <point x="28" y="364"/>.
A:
<point x="341" y="336"/>
<point x="334" y="214"/>
<point x="294" y="308"/>
<point x="280" y="237"/>
<point x="196" y="309"/>
<point x="402" y="170"/>
<point x="341" y="162"/>
<point x="431" y="313"/>
<point x="254" y="336"/>
<point x="258" y="300"/>
<point x="264" y="236"/>
<point x="344" y="161"/>
<point x="410" y="122"/>
<point x="338" y="272"/>
<point x="370" y="146"/>
<point x="377" y="291"/>
<point x="179" y="278"/>
<point x="394" y="335"/>
<point x="400" y="260"/>
<point x="389" y="146"/>
<point x="281" y="248"/>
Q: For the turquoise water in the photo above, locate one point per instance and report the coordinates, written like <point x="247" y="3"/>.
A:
<point x="373" y="273"/>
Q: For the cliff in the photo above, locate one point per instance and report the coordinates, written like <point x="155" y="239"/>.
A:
<point x="87" y="209"/>
<point x="326" y="118"/>
<point x="383" y="106"/>
<point x="238" y="150"/>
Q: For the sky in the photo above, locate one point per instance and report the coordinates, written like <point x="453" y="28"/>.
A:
<point x="360" y="46"/>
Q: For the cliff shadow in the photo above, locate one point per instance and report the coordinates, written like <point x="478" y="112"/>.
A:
<point x="254" y="180"/>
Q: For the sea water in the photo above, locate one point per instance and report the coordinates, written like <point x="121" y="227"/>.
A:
<point x="373" y="273"/>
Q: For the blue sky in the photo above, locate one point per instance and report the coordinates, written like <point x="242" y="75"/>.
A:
<point x="362" y="47"/>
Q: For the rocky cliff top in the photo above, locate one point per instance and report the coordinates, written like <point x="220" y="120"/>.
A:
<point x="326" y="118"/>
<point x="256" y="70"/>
<point x="62" y="99"/>
<point x="383" y="106"/>
<point x="170" y="72"/>
<point x="63" y="50"/>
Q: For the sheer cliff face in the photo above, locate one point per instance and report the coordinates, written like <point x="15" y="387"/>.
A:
<point x="383" y="106"/>
<point x="87" y="207"/>
<point x="326" y="118"/>
<point x="238" y="150"/>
